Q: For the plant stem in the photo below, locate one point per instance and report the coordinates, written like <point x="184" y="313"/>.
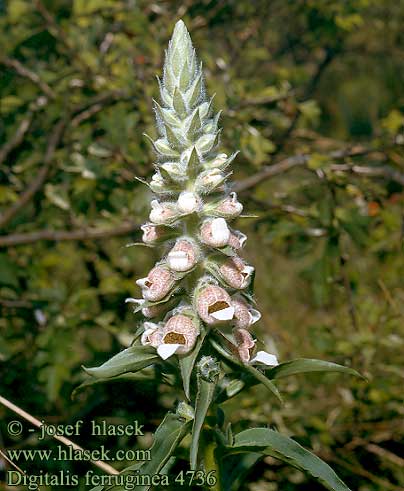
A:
<point x="211" y="464"/>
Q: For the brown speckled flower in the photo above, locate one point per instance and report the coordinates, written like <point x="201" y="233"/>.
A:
<point x="245" y="344"/>
<point x="236" y="273"/>
<point x="230" y="207"/>
<point x="237" y="240"/>
<point x="182" y="331"/>
<point x="215" y="232"/>
<point x="214" y="304"/>
<point x="244" y="314"/>
<point x="158" y="283"/>
<point x="183" y="256"/>
<point x="162" y="213"/>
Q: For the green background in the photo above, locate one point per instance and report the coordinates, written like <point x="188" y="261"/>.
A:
<point x="320" y="80"/>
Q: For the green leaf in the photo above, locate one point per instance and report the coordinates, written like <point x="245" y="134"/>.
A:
<point x="166" y="439"/>
<point x="270" y="442"/>
<point x="119" y="378"/>
<point x="203" y="400"/>
<point x="178" y="103"/>
<point x="307" y="365"/>
<point x="236" y="467"/>
<point x="131" y="359"/>
<point x="187" y="364"/>
<point x="261" y="377"/>
<point x="194" y="92"/>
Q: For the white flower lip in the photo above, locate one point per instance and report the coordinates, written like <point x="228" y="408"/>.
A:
<point x="247" y="270"/>
<point x="178" y="260"/>
<point x="139" y="301"/>
<point x="148" y="330"/>
<point x="167" y="350"/>
<point x="255" y="315"/>
<point x="265" y="358"/>
<point x="220" y="231"/>
<point x="224" y="314"/>
<point x="142" y="282"/>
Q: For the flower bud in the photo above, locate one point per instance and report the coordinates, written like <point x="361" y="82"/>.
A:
<point x="208" y="180"/>
<point x="162" y="213"/>
<point x="236" y="273"/>
<point x="153" y="233"/>
<point x="214" y="304"/>
<point x="215" y="233"/>
<point x="175" y="170"/>
<point x="237" y="240"/>
<point x="188" y="202"/>
<point x="245" y="344"/>
<point x="183" y="256"/>
<point x="244" y="314"/>
<point x="218" y="161"/>
<point x="209" y="368"/>
<point x="154" y="310"/>
<point x="157" y="184"/>
<point x="152" y="334"/>
<point x="229" y="207"/>
<point x="179" y="330"/>
<point x="163" y="147"/>
<point x="157" y="284"/>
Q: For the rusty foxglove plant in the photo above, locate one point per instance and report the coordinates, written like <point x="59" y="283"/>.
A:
<point x="197" y="302"/>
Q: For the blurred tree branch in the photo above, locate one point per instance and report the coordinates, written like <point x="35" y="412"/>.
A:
<point x="17" y="138"/>
<point x="40" y="178"/>
<point x="63" y="235"/>
<point x="82" y="113"/>
<point x="302" y="160"/>
<point x="27" y="73"/>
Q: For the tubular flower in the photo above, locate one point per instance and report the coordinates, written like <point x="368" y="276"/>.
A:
<point x="183" y="256"/>
<point x="191" y="170"/>
<point x="178" y="336"/>
<point x="215" y="233"/>
<point x="157" y="284"/>
<point x="162" y="213"/>
<point x="245" y="344"/>
<point x="244" y="314"/>
<point x="230" y="207"/>
<point x="153" y="233"/>
<point x="214" y="304"/>
<point x="236" y="273"/>
<point x="237" y="240"/>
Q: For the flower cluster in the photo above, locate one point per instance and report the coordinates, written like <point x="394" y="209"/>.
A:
<point x="201" y="283"/>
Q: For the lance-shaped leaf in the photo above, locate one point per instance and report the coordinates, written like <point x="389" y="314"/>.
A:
<point x="119" y="378"/>
<point x="165" y="96"/>
<point x="194" y="125"/>
<point x="273" y="443"/>
<point x="168" y="436"/>
<point x="179" y="104"/>
<point x="306" y="365"/>
<point x="173" y="138"/>
<point x="204" y="398"/>
<point x="235" y="469"/>
<point x="193" y="94"/>
<point x="166" y="115"/>
<point x="185" y="76"/>
<point x="131" y="359"/>
<point x="187" y="364"/>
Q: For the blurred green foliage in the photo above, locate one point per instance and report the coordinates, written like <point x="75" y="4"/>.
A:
<point x="317" y="78"/>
